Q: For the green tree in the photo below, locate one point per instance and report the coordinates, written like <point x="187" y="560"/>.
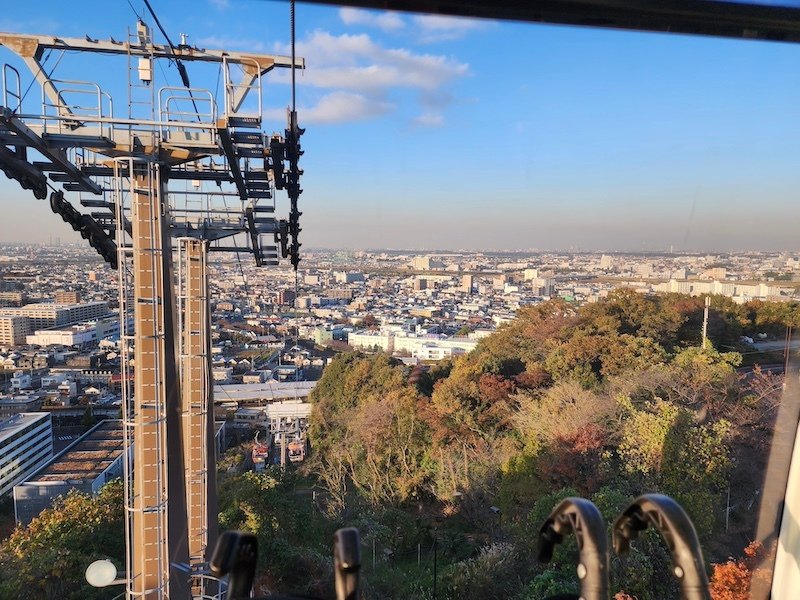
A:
<point x="292" y="535"/>
<point x="46" y="559"/>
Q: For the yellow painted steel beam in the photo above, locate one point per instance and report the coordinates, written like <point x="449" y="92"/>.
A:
<point x="195" y="391"/>
<point x="150" y="576"/>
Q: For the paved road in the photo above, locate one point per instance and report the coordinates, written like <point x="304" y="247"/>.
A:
<point x="776" y="345"/>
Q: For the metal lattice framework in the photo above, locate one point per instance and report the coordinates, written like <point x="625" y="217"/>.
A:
<point x="184" y="172"/>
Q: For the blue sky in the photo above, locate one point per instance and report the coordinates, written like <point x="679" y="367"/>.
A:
<point x="429" y="132"/>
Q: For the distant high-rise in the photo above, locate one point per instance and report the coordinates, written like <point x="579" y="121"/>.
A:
<point x="426" y="263"/>
<point x="499" y="282"/>
<point x="467" y="283"/>
<point x="67" y="297"/>
<point x="348" y="277"/>
<point x="542" y="286"/>
<point x="286" y="297"/>
<point x="529" y="274"/>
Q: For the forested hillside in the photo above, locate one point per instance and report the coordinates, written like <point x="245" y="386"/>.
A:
<point x="449" y="472"/>
<point x="607" y="401"/>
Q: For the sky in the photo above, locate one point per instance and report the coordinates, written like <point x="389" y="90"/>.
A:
<point x="428" y="132"/>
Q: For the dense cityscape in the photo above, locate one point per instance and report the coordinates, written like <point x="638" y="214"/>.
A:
<point x="274" y="333"/>
<point x="455" y="345"/>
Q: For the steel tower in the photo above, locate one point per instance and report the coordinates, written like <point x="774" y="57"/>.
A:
<point x="159" y="178"/>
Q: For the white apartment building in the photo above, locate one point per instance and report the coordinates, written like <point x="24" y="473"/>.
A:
<point x="426" y="263"/>
<point x="87" y="465"/>
<point x="427" y="347"/>
<point x="433" y="345"/>
<point x="222" y="374"/>
<point x="20" y="381"/>
<point x="13" y="329"/>
<point x="542" y="286"/>
<point x="44" y="315"/>
<point x="75" y="335"/>
<point x="731" y="289"/>
<point x="347" y="277"/>
<point x="371" y="340"/>
<point x="26" y="442"/>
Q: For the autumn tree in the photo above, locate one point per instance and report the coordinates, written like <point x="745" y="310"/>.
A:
<point x="732" y="579"/>
<point x="369" y="321"/>
<point x="46" y="559"/>
<point x="368" y="429"/>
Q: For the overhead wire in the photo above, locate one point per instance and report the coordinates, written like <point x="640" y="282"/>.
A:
<point x="292" y="27"/>
<point x="136" y="12"/>
<point x="41" y="70"/>
<point x="184" y="75"/>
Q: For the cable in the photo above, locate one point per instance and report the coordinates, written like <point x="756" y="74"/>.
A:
<point x="41" y="70"/>
<point x="216" y="87"/>
<point x="138" y="16"/>
<point x="178" y="63"/>
<point x="292" y="27"/>
<point x="296" y="328"/>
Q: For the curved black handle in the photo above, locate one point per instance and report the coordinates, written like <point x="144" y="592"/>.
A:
<point x="235" y="555"/>
<point x="582" y="517"/>
<point x="678" y="532"/>
<point x="346" y="563"/>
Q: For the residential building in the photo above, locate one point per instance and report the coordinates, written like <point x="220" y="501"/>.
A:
<point x="286" y="297"/>
<point x="529" y="274"/>
<point x="12" y="405"/>
<point x="76" y="335"/>
<point x="87" y="464"/>
<point x="44" y="315"/>
<point x="426" y="263"/>
<point x="348" y="277"/>
<point x="11" y="298"/>
<point x="65" y="297"/>
<point x="14" y="329"/>
<point x="467" y="284"/>
<point x="26" y="442"/>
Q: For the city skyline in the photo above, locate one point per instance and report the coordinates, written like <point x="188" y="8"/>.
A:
<point x="429" y="132"/>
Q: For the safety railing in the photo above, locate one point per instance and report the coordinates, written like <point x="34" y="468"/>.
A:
<point x="178" y="106"/>
<point x="11" y="75"/>
<point x="236" y="93"/>
<point x="64" y="108"/>
<point x="186" y="104"/>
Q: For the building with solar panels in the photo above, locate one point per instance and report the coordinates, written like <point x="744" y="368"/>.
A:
<point x="86" y="465"/>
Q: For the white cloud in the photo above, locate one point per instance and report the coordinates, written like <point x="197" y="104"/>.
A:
<point x="355" y="62"/>
<point x="387" y="21"/>
<point x="362" y="74"/>
<point x="437" y="28"/>
<point x="220" y="4"/>
<point x="338" y="107"/>
<point x="429" y="119"/>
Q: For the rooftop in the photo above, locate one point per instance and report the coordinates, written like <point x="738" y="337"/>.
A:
<point x="19" y="421"/>
<point x="55" y="306"/>
<point x="88" y="457"/>
<point x="271" y="390"/>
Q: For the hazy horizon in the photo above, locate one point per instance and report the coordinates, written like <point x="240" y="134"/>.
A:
<point x="432" y="132"/>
